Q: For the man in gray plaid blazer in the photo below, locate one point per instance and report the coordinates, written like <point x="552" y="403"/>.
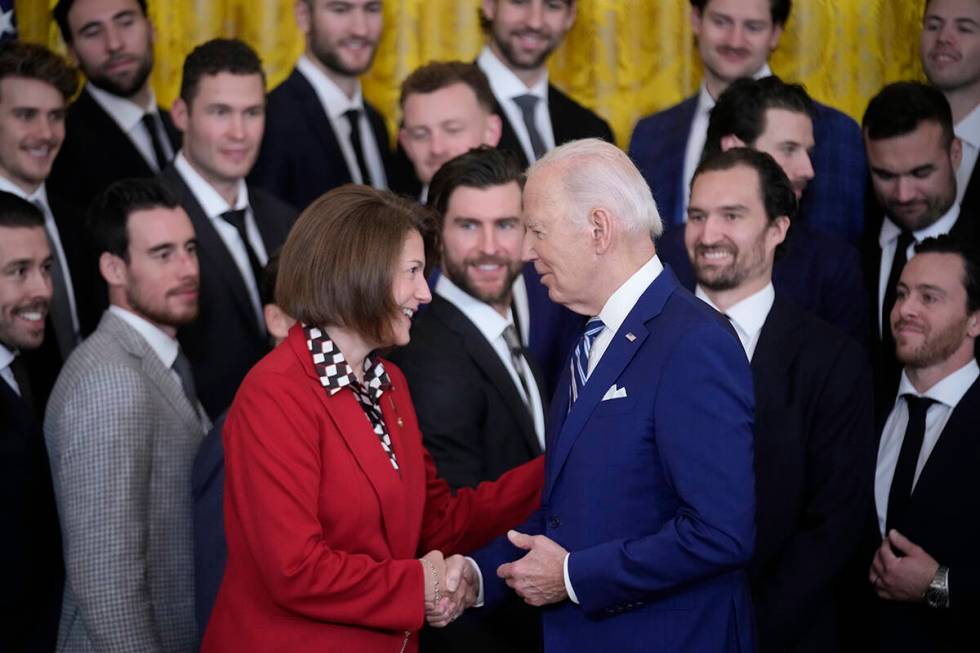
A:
<point x="122" y="427"/>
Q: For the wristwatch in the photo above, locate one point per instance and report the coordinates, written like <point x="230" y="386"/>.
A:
<point x="937" y="595"/>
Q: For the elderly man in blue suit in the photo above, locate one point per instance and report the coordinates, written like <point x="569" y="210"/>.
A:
<point x="735" y="39"/>
<point x="647" y="515"/>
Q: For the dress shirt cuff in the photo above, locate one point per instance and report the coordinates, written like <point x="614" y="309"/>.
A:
<point x="568" y="582"/>
<point x="479" y="575"/>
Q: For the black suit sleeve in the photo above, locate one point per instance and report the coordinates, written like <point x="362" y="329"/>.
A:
<point x="840" y="461"/>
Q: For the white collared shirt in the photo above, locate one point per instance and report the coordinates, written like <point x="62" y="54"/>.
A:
<point x="6" y="359"/>
<point x="213" y="205"/>
<point x="888" y="241"/>
<point x="335" y="103"/>
<point x="163" y="345"/>
<point x="947" y="393"/>
<point x="40" y="198"/>
<point x="968" y="131"/>
<point x="747" y="315"/>
<point x="699" y="134"/>
<point x="129" y="116"/>
<point x="506" y="86"/>
<point x="491" y="325"/>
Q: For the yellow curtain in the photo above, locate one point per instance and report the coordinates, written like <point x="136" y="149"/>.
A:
<point x="623" y="58"/>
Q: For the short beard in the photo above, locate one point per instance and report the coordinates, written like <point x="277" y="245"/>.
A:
<point x="936" y="349"/>
<point x="135" y="86"/>
<point x="328" y="57"/>
<point x="457" y="274"/>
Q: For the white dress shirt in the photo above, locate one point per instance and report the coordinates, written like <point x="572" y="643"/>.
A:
<point x="968" y="131"/>
<point x="888" y="241"/>
<point x="40" y="199"/>
<point x="335" y="103"/>
<point x="506" y="86"/>
<point x="129" y="116"/>
<point x="164" y="346"/>
<point x="6" y="359"/>
<point x="491" y="325"/>
<point x="747" y="316"/>
<point x="947" y="393"/>
<point x="699" y="134"/>
<point x="214" y="205"/>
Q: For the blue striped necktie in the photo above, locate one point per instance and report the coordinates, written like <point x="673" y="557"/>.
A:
<point x="580" y="359"/>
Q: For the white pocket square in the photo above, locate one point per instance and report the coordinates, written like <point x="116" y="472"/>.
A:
<point x="614" y="393"/>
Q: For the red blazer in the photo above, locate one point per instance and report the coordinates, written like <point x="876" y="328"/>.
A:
<point x="323" y="534"/>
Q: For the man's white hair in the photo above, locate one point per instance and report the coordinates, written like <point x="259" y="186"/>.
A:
<point x="595" y="174"/>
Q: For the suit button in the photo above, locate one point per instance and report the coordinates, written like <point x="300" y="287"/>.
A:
<point x="554" y="523"/>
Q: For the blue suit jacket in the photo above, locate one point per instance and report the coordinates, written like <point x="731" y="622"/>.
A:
<point x="653" y="494"/>
<point x="210" y="548"/>
<point x="834" y="200"/>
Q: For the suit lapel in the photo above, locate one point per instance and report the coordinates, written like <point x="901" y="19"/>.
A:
<point x="112" y="138"/>
<point x="486" y="359"/>
<point x="617" y="356"/>
<point x="508" y="137"/>
<point x="317" y="119"/>
<point x="271" y="227"/>
<point x="212" y="249"/>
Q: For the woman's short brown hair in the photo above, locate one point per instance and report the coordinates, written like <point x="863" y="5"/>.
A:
<point x="337" y="267"/>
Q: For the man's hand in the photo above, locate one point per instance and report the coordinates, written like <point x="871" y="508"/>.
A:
<point x="901" y="579"/>
<point x="538" y="577"/>
<point x="461" y="590"/>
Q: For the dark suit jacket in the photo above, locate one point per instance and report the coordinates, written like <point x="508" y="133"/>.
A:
<point x="887" y="369"/>
<point x="971" y="198"/>
<point x="814" y="456"/>
<point x="833" y="201"/>
<point x="30" y="549"/>
<point x="210" y="548"/>
<point x="226" y="339"/>
<point x="818" y="272"/>
<point x="300" y="158"/>
<point x="940" y="520"/>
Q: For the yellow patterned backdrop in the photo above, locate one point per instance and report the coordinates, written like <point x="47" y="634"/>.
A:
<point x="624" y="58"/>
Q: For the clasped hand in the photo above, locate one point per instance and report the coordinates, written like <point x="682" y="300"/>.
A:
<point x="451" y="586"/>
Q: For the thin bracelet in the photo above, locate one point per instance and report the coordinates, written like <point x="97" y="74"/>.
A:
<point x="435" y="579"/>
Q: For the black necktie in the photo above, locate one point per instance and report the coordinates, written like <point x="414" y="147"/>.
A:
<point x="354" y="117"/>
<point x="908" y="458"/>
<point x="905" y="239"/>
<point x="526" y="104"/>
<point x="236" y="218"/>
<point x="182" y="367"/>
<point x="517" y="358"/>
<point x="159" y="153"/>
<point x="19" y="368"/>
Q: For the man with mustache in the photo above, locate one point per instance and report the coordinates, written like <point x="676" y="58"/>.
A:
<point x="734" y="40"/>
<point x="31" y="547"/>
<point x="221" y="112"/>
<point x="818" y="271"/>
<point x="924" y="571"/>
<point x="115" y="129"/>
<point x="949" y="47"/>
<point x="122" y="428"/>
<point x="321" y="133"/>
<point x="536" y="116"/>
<point x="479" y="397"/>
<point x="913" y="154"/>
<point x="813" y="414"/>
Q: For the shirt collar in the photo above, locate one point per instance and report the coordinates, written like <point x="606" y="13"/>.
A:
<point x="748" y="314"/>
<point x="39" y="194"/>
<point x="490" y="323"/>
<point x="335" y="372"/>
<point x="968" y="129"/>
<point x="6" y="356"/>
<point x="334" y="100"/>
<point x="621" y="302"/>
<point x="162" y="344"/>
<point x="210" y="200"/>
<point x="504" y="83"/>
<point x="890" y="231"/>
<point x="707" y="103"/>
<point x="950" y="390"/>
<point x="126" y="113"/>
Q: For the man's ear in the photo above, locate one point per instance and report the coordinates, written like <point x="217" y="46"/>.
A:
<point x="179" y="114"/>
<point x="303" y="14"/>
<point x="601" y="225"/>
<point x="491" y="136"/>
<point x="730" y="141"/>
<point x="113" y="269"/>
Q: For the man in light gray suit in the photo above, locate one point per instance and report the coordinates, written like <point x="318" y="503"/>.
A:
<point x="122" y="427"/>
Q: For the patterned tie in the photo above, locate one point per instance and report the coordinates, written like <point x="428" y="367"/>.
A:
<point x="580" y="359"/>
<point x="354" y="118"/>
<point x="517" y="358"/>
<point x="160" y="154"/>
<point x="908" y="459"/>
<point x="526" y="104"/>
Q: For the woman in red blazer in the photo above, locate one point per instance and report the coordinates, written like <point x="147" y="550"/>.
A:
<point x="329" y="495"/>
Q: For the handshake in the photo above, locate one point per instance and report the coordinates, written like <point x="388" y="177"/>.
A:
<point x="451" y="586"/>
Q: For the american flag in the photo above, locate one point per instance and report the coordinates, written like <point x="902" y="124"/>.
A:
<point x="8" y="26"/>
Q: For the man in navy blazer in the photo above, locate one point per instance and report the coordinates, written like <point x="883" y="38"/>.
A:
<point x="320" y="133"/>
<point x="817" y="271"/>
<point x="735" y="39"/>
<point x="647" y="515"/>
